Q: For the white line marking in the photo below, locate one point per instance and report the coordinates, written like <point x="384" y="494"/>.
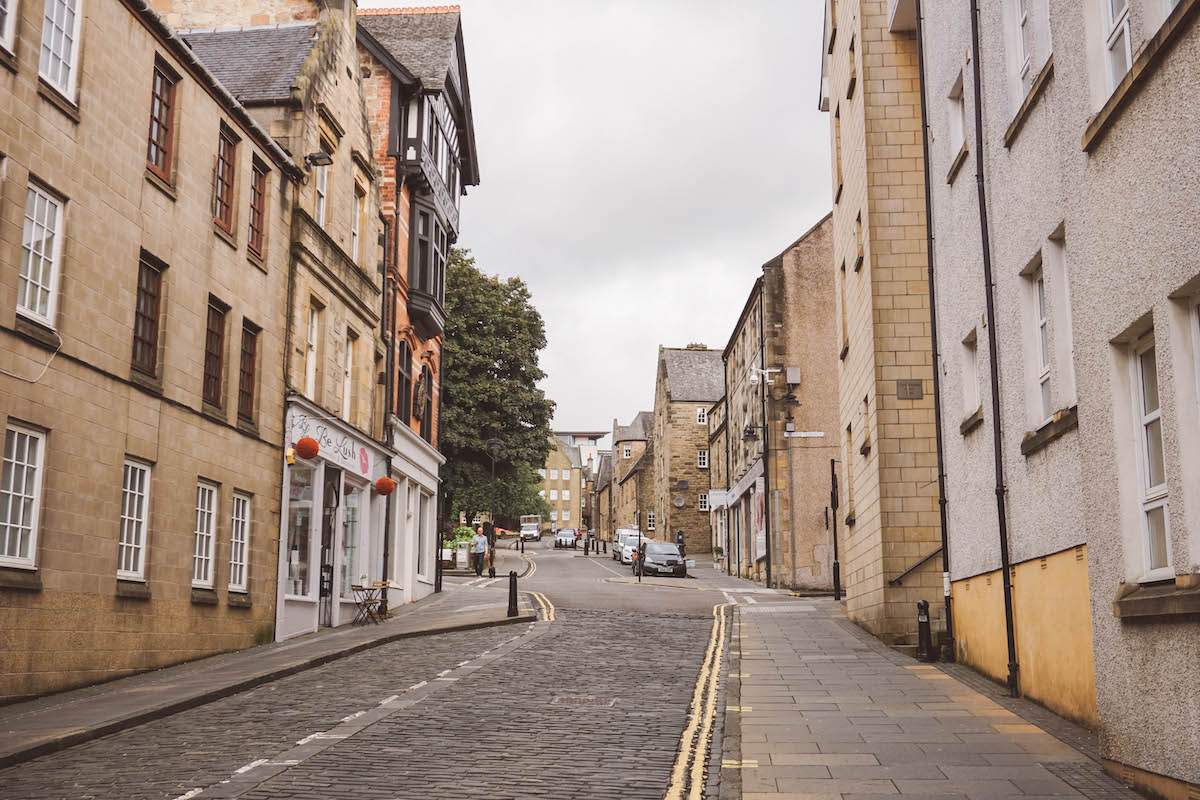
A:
<point x="463" y="663"/>
<point x="445" y="679"/>
<point x="444" y="672"/>
<point x="290" y="762"/>
<point x="190" y="793"/>
<point x="751" y="600"/>
<point x="417" y="685"/>
<point x="308" y="738"/>
<point x="355" y="715"/>
<point x="728" y="599"/>
<point x="250" y="766"/>
<point x="388" y="699"/>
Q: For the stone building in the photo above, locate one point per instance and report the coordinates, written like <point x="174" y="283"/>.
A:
<point x="889" y="495"/>
<point x="633" y="474"/>
<point x="602" y="499"/>
<point x="299" y="76"/>
<point x="1097" y="338"/>
<point x="718" y="480"/>
<point x="143" y="280"/>
<point x="780" y="372"/>
<point x="562" y="485"/>
<point x="418" y="102"/>
<point x="688" y="382"/>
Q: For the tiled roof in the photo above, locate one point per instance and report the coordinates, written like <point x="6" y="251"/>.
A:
<point x="693" y="374"/>
<point x="420" y="38"/>
<point x="636" y="431"/>
<point x="256" y="64"/>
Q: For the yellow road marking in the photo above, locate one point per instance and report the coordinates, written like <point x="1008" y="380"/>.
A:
<point x="748" y="763"/>
<point x="743" y="709"/>
<point x="547" y="607"/>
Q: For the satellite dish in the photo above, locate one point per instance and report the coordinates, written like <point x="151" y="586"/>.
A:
<point x="682" y="484"/>
<point x="678" y="502"/>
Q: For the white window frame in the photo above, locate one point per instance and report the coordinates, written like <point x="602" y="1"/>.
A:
<point x="359" y="201"/>
<point x="33" y="195"/>
<point x="72" y="61"/>
<point x="701" y="415"/>
<point x="1152" y="497"/>
<point x="1023" y="34"/>
<point x="970" y="373"/>
<point x="424" y="528"/>
<point x="310" y="353"/>
<point x="239" y="542"/>
<point x="133" y="537"/>
<point x="1115" y="26"/>
<point x="649" y="520"/>
<point x="702" y="459"/>
<point x="205" y="534"/>
<point x="554" y="494"/>
<point x="958" y="117"/>
<point x="35" y="512"/>
<point x="553" y="474"/>
<point x="1044" y="354"/>
<point x="554" y="515"/>
<point x="9" y="26"/>
<point x="702" y="502"/>
<point x="566" y="517"/>
<point x="322" y="189"/>
<point x="348" y="376"/>
<point x="566" y="494"/>
<point x="627" y="451"/>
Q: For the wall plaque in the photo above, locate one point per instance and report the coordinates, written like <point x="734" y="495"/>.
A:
<point x="910" y="390"/>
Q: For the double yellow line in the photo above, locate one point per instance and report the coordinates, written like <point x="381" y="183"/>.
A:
<point x="544" y="602"/>
<point x="693" y="745"/>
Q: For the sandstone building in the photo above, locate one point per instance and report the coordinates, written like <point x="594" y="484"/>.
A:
<point x="688" y="381"/>
<point x="633" y="475"/>
<point x="562" y="485"/>
<point x="889" y="494"/>
<point x="144" y="266"/>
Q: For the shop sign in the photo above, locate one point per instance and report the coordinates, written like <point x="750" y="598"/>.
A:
<point x="338" y="447"/>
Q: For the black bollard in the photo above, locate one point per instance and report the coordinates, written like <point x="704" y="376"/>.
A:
<point x="924" y="639"/>
<point x="512" y="593"/>
<point x="585" y="547"/>
<point x="605" y="546"/>
<point x="522" y="544"/>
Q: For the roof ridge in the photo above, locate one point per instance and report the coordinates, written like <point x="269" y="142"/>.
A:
<point x="236" y="28"/>
<point x="378" y="12"/>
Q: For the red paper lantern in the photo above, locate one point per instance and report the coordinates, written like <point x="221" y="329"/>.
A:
<point x="307" y="447"/>
<point x="384" y="486"/>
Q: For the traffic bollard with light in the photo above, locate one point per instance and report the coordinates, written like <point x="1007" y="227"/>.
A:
<point x="924" y="639"/>
<point x="512" y="593"/>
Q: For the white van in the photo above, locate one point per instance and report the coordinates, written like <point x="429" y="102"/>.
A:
<point x="619" y="539"/>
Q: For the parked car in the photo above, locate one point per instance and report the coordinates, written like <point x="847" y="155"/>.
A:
<point x="619" y="538"/>
<point x="660" y="558"/>
<point x="629" y="548"/>
<point x="566" y="538"/>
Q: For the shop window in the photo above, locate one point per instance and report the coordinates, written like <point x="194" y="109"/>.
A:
<point x="300" y="521"/>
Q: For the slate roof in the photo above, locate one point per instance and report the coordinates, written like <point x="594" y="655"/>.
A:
<point x="636" y="431"/>
<point x="604" y="476"/>
<point x="422" y="39"/>
<point x="694" y="375"/>
<point x="256" y="64"/>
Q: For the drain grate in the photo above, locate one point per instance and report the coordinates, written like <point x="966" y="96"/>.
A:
<point x="583" y="701"/>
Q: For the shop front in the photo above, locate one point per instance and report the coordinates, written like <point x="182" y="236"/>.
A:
<point x="331" y="531"/>
<point x="413" y="545"/>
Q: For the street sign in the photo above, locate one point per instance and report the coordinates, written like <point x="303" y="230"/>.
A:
<point x="805" y="434"/>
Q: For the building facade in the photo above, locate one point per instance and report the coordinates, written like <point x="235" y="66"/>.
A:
<point x="633" y="475"/>
<point x="688" y="382"/>
<point x="889" y="496"/>
<point x="1097" y="335"/>
<point x="718" y="480"/>
<point x="562" y="485"/>
<point x="143" y="278"/>
<point x="418" y="101"/>
<point x="602" y="495"/>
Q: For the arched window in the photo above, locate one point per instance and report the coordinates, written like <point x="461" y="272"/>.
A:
<point x="404" y="381"/>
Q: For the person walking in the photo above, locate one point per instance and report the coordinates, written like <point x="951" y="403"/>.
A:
<point x="479" y="544"/>
<point x="679" y="541"/>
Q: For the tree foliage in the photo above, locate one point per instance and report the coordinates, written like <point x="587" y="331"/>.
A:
<point x="489" y="378"/>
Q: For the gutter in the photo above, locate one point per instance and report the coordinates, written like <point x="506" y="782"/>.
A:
<point x="933" y="339"/>
<point x="993" y="355"/>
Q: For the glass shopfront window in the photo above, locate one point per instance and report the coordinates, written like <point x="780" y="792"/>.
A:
<point x="300" y="518"/>
<point x="351" y="546"/>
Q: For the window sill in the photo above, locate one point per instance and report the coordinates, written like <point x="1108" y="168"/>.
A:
<point x="132" y="589"/>
<point x="157" y="181"/>
<point x="1065" y="420"/>
<point x="845" y="350"/>
<point x="237" y="598"/>
<point x="850" y="87"/>
<point x="255" y="259"/>
<point x="1182" y="596"/>
<point x="865" y="449"/>
<point x="1145" y="61"/>
<point x="25" y="579"/>
<point x="202" y="596"/>
<point x="858" y="262"/>
<point x="145" y="381"/>
<point x="37" y="331"/>
<point x="246" y="426"/>
<point x="224" y="235"/>
<point x="213" y="412"/>
<point x="8" y="59"/>
<point x="1035" y="91"/>
<point x="958" y="162"/>
<point x="971" y="422"/>
<point x="57" y="99"/>
<point x="837" y="194"/>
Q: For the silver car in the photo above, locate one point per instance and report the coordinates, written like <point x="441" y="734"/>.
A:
<point x="566" y="538"/>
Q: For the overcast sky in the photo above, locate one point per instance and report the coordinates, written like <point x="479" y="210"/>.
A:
<point x="640" y="160"/>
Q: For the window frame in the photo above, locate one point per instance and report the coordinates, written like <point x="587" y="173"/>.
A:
<point x="348" y="375"/>
<point x="35" y="515"/>
<point x="69" y="89"/>
<point x="165" y="142"/>
<point x="248" y="377"/>
<point x="321" y="187"/>
<point x="256" y="239"/>
<point x="542" y="474"/>
<point x="566" y="515"/>
<point x="554" y="494"/>
<point x="8" y="27"/>
<point x="1114" y="27"/>
<point x="702" y="501"/>
<point x="312" y="346"/>
<point x="627" y="451"/>
<point x="701" y="415"/>
<point x="147" y="265"/>
<point x="240" y="568"/>
<point x="1150" y="498"/>
<point x="214" y="356"/>
<point x="1043" y="350"/>
<point x="1024" y="51"/>
<point x="972" y="396"/>
<point x="650" y="521"/>
<point x="566" y="495"/>
<point x="405" y="389"/>
<point x="427" y="411"/>
<point x="957" y="116"/>
<point x="702" y="459"/>
<point x="360" y="200"/>
<point x="36" y="191"/>
<point x="225" y="175"/>
<point x="141" y="547"/>
<point x="553" y="474"/>
<point x="207" y="557"/>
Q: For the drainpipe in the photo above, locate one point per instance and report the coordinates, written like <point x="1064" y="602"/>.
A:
<point x="933" y="328"/>
<point x="728" y="516"/>
<point x="1002" y="517"/>
<point x="762" y="363"/>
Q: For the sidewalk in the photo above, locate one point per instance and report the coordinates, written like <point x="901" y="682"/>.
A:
<point x="59" y="721"/>
<point x="818" y="707"/>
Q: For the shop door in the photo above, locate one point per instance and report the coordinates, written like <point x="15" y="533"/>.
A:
<point x="329" y="517"/>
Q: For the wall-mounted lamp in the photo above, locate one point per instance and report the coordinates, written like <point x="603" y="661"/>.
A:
<point x="318" y="159"/>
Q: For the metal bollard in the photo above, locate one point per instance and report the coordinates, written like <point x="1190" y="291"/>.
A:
<point x="522" y="544"/>
<point x="605" y="543"/>
<point x="585" y="547"/>
<point x="512" y="593"/>
<point x="924" y="639"/>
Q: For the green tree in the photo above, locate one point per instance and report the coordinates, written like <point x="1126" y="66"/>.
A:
<point x="490" y="395"/>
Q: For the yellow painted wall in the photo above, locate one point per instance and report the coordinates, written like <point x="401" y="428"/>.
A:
<point x="1053" y="624"/>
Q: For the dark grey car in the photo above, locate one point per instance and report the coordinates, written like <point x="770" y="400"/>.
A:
<point x="660" y="558"/>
